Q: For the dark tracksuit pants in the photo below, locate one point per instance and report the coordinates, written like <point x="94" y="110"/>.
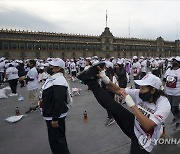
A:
<point x="13" y="85"/>
<point x="57" y="137"/>
<point x="123" y="117"/>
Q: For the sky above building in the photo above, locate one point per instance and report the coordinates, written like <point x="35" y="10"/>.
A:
<point x="147" y="19"/>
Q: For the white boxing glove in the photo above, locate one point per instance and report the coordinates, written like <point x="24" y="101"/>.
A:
<point x="104" y="78"/>
<point x="129" y="101"/>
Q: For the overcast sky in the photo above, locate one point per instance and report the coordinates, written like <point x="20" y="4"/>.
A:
<point x="143" y="18"/>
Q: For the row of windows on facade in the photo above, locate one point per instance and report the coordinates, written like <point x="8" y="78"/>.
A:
<point x="119" y="54"/>
<point x="30" y="46"/>
<point x="46" y="37"/>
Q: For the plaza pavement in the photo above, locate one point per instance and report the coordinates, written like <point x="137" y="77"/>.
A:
<point x="29" y="135"/>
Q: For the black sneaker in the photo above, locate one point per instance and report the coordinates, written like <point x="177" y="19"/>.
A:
<point x="110" y="121"/>
<point x="30" y="110"/>
<point x="91" y="73"/>
<point x="177" y="126"/>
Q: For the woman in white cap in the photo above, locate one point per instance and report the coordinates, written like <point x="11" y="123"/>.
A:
<point x="172" y="89"/>
<point x="55" y="96"/>
<point x="149" y="106"/>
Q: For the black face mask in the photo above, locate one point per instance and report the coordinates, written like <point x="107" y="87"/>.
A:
<point x="41" y="71"/>
<point x="49" y="71"/>
<point x="145" y="96"/>
<point x="175" y="65"/>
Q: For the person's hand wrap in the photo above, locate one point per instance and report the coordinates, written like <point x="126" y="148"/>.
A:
<point x="129" y="101"/>
<point x="103" y="76"/>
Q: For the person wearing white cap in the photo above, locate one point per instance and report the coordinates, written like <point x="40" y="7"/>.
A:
<point x="41" y="76"/>
<point x="136" y="70"/>
<point x="172" y="89"/>
<point x="149" y="106"/>
<point x="73" y="70"/>
<point x="55" y="98"/>
<point x="12" y="77"/>
<point x="154" y="65"/>
<point x="32" y="86"/>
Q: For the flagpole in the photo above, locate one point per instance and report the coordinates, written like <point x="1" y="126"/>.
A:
<point x="106" y="18"/>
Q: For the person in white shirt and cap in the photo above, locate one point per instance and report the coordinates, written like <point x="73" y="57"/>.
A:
<point x="32" y="86"/>
<point x="172" y="89"/>
<point x="12" y="77"/>
<point x="136" y="70"/>
<point x="56" y="96"/>
<point x="73" y="70"/>
<point x="149" y="108"/>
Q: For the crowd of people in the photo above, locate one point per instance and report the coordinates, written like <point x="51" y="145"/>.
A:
<point x="154" y="80"/>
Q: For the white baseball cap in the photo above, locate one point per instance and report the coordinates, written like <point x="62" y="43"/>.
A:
<point x="57" y="62"/>
<point x="177" y="58"/>
<point x="135" y="57"/>
<point x="150" y="80"/>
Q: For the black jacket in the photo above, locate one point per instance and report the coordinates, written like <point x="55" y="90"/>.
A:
<point x="54" y="97"/>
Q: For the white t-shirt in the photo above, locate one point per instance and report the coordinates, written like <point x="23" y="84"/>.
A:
<point x="144" y="66"/>
<point x="136" y="68"/>
<point x="154" y="65"/>
<point x="109" y="64"/>
<point x="12" y="73"/>
<point x="73" y="67"/>
<point x="156" y="112"/>
<point x="172" y="82"/>
<point x="83" y="63"/>
<point x="33" y="74"/>
<point x="2" y="65"/>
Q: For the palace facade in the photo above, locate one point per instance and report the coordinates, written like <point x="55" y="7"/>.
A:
<point x="28" y="44"/>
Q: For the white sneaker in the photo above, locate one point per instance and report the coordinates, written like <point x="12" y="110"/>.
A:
<point x="12" y="94"/>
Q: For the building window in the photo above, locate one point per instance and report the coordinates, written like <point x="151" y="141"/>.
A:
<point x="56" y="46"/>
<point x="89" y="47"/>
<point x="94" y="47"/>
<point x="43" y="46"/>
<point x="107" y="40"/>
<point x="62" y="46"/>
<point x="21" y="46"/>
<point x="99" y="47"/>
<point x="115" y="48"/>
<point x="107" y="47"/>
<point x="78" y="47"/>
<point x="84" y="47"/>
<point x="30" y="46"/>
<point x="5" y="46"/>
<point x="73" y="47"/>
<point x="50" y="47"/>
<point x="13" y="46"/>
<point x="67" y="46"/>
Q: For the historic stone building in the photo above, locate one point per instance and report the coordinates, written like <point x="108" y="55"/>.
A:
<point x="28" y="44"/>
